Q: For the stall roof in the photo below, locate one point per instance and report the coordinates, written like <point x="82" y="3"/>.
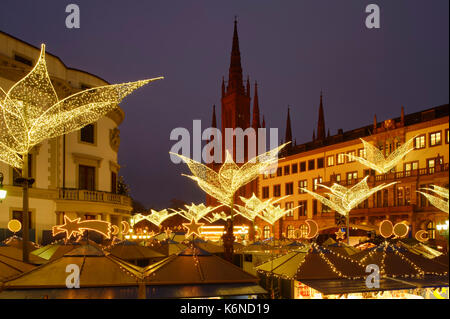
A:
<point x="16" y="253"/>
<point x="127" y="250"/>
<point x="10" y="267"/>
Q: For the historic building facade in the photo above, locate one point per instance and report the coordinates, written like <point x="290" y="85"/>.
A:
<point x="76" y="174"/>
<point x="323" y="161"/>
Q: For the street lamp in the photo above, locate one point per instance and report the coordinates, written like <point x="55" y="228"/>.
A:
<point x="2" y="191"/>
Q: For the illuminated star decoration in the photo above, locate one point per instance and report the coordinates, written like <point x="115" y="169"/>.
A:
<point x="31" y="112"/>
<point x="77" y="227"/>
<point x="156" y="217"/>
<point x="343" y="200"/>
<point x="440" y="203"/>
<point x="253" y="206"/>
<point x="223" y="185"/>
<point x="376" y="160"/>
<point x="340" y="234"/>
<point x="195" y="212"/>
<point x="193" y="228"/>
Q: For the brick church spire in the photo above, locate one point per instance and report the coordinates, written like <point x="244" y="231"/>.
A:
<point x="288" y="135"/>
<point x="255" y="120"/>
<point x="321" y="123"/>
<point x="214" y="120"/>
<point x="235" y="83"/>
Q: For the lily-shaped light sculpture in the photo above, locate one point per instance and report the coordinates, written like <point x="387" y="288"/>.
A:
<point x="441" y="201"/>
<point x="224" y="184"/>
<point x="376" y="160"/>
<point x="195" y="212"/>
<point x="155" y="217"/>
<point x="253" y="206"/>
<point x="31" y="112"/>
<point x="272" y="213"/>
<point x="343" y="199"/>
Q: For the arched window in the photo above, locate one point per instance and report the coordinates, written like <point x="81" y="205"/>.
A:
<point x="304" y="231"/>
<point x="431" y="230"/>
<point x="266" y="233"/>
<point x="290" y="231"/>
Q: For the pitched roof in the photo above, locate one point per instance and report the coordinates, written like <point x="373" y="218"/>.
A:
<point x="10" y="267"/>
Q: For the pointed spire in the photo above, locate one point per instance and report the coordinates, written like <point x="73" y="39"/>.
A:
<point x="264" y="122"/>
<point x="321" y="121"/>
<point x="314" y="135"/>
<point x="223" y="86"/>
<point x="214" y="121"/>
<point x="328" y="133"/>
<point x="255" y="121"/>
<point x="288" y="135"/>
<point x="248" y="85"/>
<point x="375" y="123"/>
<point x="402" y="116"/>
<point x="235" y="83"/>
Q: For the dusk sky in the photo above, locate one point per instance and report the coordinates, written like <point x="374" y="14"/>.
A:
<point x="294" y="49"/>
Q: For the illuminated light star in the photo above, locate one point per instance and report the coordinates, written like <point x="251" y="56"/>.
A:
<point x="196" y="212"/>
<point x="223" y="184"/>
<point x="193" y="228"/>
<point x="340" y="234"/>
<point x="343" y="200"/>
<point x="442" y="202"/>
<point x="376" y="160"/>
<point x="77" y="227"/>
<point x="31" y="112"/>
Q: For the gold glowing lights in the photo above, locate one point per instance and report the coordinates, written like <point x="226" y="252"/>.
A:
<point x="253" y="206"/>
<point x="441" y="201"/>
<point x="156" y="217"/>
<point x="77" y="227"/>
<point x="193" y="228"/>
<point x="223" y="184"/>
<point x="195" y="212"/>
<point x="31" y="111"/>
<point x="376" y="160"/>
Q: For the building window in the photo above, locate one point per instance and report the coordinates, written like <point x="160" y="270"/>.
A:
<point x="86" y="177"/>
<point x="113" y="182"/>
<point x="277" y="190"/>
<point x="303" y="208"/>
<point x="369" y="172"/>
<point x="419" y="142"/>
<point x="351" y="156"/>
<point x="447" y="137"/>
<point x="330" y="160"/>
<point x="352" y="177"/>
<point x="266" y="232"/>
<point x="265" y="192"/>
<point x="287" y="170"/>
<point x="294" y="168"/>
<point x="302" y="166"/>
<point x="340" y="158"/>
<point x="314" y="207"/>
<point x="302" y="185"/>
<point x="435" y="138"/>
<point x="87" y="134"/>
<point x="431" y="229"/>
<point x="320" y="162"/>
<point x="325" y="209"/>
<point x="411" y="166"/>
<point x="289" y="206"/>
<point x="362" y="153"/>
<point x="290" y="231"/>
<point x="304" y="230"/>
<point x="385" y="198"/>
<point x="279" y="171"/>
<point x="311" y="165"/>
<point x="316" y="181"/>
<point x="17" y="172"/>
<point x="338" y="178"/>
<point x="289" y="188"/>
<point x="23" y="60"/>
<point x="17" y="214"/>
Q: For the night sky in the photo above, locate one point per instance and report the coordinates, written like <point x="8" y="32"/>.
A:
<point x="294" y="49"/>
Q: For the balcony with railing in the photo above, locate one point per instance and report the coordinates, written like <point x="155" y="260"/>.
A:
<point x="93" y="196"/>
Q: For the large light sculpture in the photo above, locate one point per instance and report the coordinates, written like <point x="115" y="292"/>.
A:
<point x="224" y="184"/>
<point x="376" y="160"/>
<point x="31" y="112"/>
<point x="195" y="212"/>
<point x="253" y="206"/>
<point x="217" y="216"/>
<point x="440" y="201"/>
<point x="343" y="199"/>
<point x="155" y="217"/>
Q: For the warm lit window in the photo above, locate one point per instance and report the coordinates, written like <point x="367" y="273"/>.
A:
<point x="330" y="160"/>
<point x="277" y="190"/>
<point x="289" y="188"/>
<point x="340" y="158"/>
<point x="302" y="185"/>
<point x="265" y="192"/>
<point x="304" y="230"/>
<point x="419" y="142"/>
<point x="411" y="166"/>
<point x="290" y="231"/>
<point x="362" y="153"/>
<point x="338" y="178"/>
<point x="316" y="181"/>
<point x="303" y="208"/>
<point x="351" y="156"/>
<point x="447" y="137"/>
<point x="435" y="138"/>
<point x="351" y="176"/>
<point x="289" y="206"/>
<point x="266" y="232"/>
<point x="294" y="168"/>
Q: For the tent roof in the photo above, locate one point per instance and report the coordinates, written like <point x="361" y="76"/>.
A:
<point x="10" y="267"/>
<point x="15" y="241"/>
<point x="131" y="251"/>
<point x="442" y="259"/>
<point x="210" y="247"/>
<point x="96" y="270"/>
<point x="16" y="253"/>
<point x="59" y="249"/>
<point x="198" y="267"/>
<point x="285" y="265"/>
